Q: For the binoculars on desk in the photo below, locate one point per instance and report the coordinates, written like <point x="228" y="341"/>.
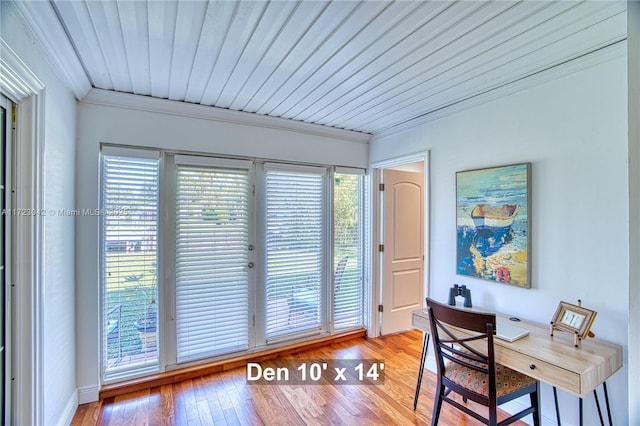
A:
<point x="460" y="290"/>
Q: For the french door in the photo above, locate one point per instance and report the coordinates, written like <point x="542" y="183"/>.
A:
<point x="212" y="257"/>
<point x="295" y="249"/>
<point x="207" y="257"/>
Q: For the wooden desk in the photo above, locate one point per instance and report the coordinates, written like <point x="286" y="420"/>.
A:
<point x="551" y="359"/>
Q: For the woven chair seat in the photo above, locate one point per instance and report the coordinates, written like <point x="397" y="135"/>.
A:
<point x="507" y="380"/>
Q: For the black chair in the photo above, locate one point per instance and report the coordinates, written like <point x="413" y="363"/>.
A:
<point x="337" y="276"/>
<point x="465" y="357"/>
<point x="299" y="307"/>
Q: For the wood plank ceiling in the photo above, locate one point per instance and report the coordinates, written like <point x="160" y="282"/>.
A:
<point x="364" y="66"/>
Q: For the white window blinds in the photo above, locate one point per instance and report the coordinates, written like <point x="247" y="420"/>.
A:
<point x="129" y="264"/>
<point x="348" y="245"/>
<point x="212" y="238"/>
<point x="295" y="243"/>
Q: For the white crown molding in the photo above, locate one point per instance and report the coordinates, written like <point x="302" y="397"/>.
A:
<point x="185" y="109"/>
<point x="614" y="49"/>
<point x="46" y="27"/>
<point x="17" y="81"/>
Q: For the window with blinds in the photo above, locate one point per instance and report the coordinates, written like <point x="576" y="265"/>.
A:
<point x="295" y="246"/>
<point x="348" y="247"/>
<point x="211" y="257"/>
<point x="129" y="262"/>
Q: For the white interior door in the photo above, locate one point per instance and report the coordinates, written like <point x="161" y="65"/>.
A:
<point x="403" y="254"/>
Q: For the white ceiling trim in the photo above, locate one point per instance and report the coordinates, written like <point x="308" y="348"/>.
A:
<point x="17" y="81"/>
<point x="45" y="25"/>
<point x="616" y="49"/>
<point x="179" y="108"/>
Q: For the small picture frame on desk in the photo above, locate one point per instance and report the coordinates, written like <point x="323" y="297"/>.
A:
<point x="575" y="319"/>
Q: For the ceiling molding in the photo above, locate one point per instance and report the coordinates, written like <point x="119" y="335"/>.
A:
<point x="184" y="109"/>
<point x="17" y="81"/>
<point x="44" y="23"/>
<point x="615" y="49"/>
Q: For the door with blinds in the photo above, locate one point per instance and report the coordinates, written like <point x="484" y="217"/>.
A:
<point x="296" y="223"/>
<point x="212" y="257"/>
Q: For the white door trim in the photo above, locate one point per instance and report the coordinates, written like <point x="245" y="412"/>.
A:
<point x="24" y="88"/>
<point x="373" y="327"/>
<point x="633" y="76"/>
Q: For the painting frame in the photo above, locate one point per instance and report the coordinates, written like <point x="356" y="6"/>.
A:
<point x="493" y="224"/>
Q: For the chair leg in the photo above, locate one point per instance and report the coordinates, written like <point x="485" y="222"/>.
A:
<point x="437" y="404"/>
<point x="493" y="415"/>
<point x="535" y="403"/>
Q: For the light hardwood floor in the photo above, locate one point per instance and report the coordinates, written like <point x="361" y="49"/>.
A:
<point x="226" y="399"/>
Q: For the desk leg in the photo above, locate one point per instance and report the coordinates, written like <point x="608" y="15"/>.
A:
<point x="606" y="400"/>
<point x="555" y="398"/>
<point x="580" y="406"/>
<point x="425" y="346"/>
<point x="595" y="396"/>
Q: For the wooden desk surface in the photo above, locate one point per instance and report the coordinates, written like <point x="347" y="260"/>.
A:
<point x="551" y="359"/>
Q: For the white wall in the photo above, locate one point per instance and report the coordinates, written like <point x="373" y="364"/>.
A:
<point x="99" y="123"/>
<point x="58" y="292"/>
<point x="573" y="130"/>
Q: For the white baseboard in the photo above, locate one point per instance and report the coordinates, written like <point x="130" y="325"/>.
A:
<point x="88" y="394"/>
<point x="69" y="410"/>
<point x="516" y="406"/>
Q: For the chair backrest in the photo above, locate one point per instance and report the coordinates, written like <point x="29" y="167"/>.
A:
<point x="337" y="276"/>
<point x="463" y="337"/>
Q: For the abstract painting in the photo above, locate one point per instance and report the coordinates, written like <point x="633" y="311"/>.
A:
<point x="493" y="232"/>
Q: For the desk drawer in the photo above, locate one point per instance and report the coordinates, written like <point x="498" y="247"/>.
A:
<point x="543" y="371"/>
<point x="420" y="322"/>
